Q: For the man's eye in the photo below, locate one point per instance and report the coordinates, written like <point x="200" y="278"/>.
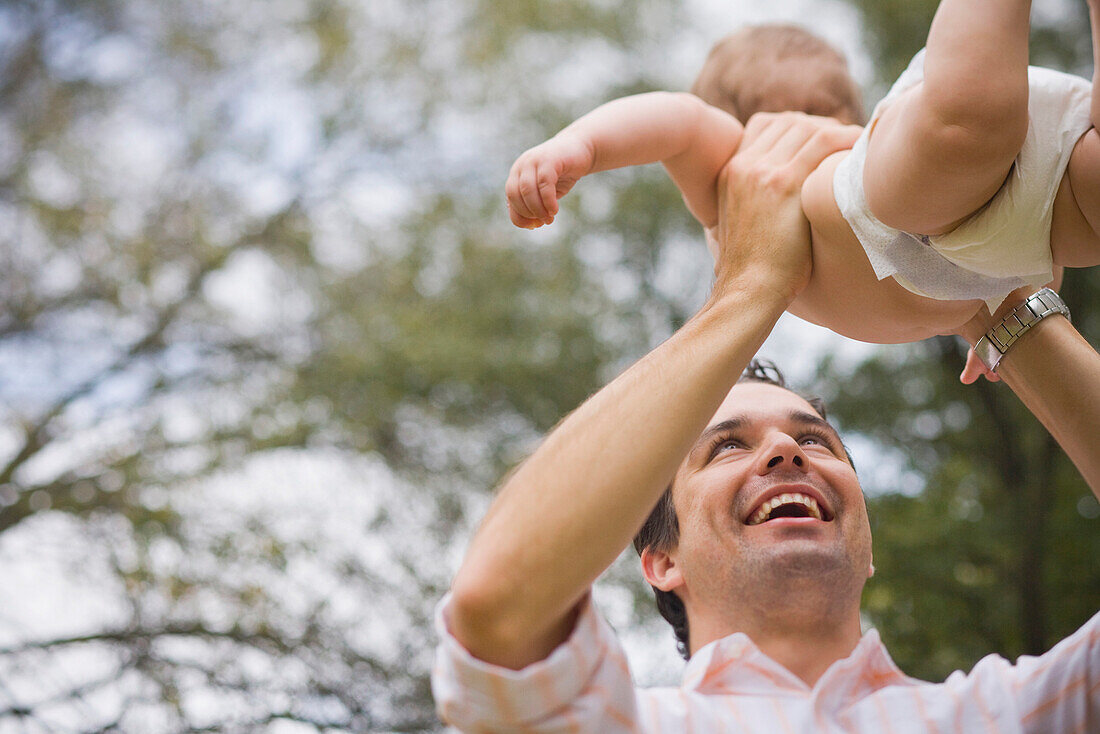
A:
<point x="723" y="444"/>
<point x="815" y="439"/>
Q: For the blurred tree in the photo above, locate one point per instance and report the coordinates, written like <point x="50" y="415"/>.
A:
<point x="267" y="338"/>
<point x="243" y="238"/>
<point x="990" y="548"/>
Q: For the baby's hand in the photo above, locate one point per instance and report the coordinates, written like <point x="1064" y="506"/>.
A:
<point x="544" y="174"/>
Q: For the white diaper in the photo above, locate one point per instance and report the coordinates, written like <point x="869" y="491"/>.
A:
<point x="1004" y="245"/>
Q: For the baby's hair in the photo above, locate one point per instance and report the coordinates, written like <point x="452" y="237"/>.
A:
<point x="762" y="69"/>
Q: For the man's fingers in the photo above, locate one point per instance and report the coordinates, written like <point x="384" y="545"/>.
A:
<point x="975" y="368"/>
<point x="763" y="130"/>
<point x="786" y="147"/>
<point x="821" y="144"/>
<point x="812" y="139"/>
<point x="793" y="141"/>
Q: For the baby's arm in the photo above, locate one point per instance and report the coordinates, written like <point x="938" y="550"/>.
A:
<point x="691" y="138"/>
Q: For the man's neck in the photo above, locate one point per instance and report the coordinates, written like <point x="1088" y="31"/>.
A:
<point x="805" y="643"/>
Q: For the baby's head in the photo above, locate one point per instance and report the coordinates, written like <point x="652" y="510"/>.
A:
<point x="772" y="68"/>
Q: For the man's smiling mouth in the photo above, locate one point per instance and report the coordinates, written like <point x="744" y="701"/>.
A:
<point x="788" y="504"/>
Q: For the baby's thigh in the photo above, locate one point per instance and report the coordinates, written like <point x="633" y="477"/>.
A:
<point x="1075" y="227"/>
<point x="924" y="176"/>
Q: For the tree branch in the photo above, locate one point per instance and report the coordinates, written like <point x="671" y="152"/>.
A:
<point x="38" y="435"/>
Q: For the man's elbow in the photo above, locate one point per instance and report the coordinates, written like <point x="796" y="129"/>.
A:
<point x="492" y="625"/>
<point x="477" y="617"/>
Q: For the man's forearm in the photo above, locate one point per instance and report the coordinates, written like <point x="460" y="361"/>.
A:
<point x="567" y="513"/>
<point x="1056" y="373"/>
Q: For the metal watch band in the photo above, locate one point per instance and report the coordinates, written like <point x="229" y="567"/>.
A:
<point x="997" y="341"/>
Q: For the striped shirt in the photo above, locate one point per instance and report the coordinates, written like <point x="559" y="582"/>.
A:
<point x="729" y="685"/>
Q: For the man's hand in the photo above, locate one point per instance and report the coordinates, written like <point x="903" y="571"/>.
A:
<point x="544" y="174"/>
<point x="983" y="321"/>
<point x="976" y="368"/>
<point x="762" y="232"/>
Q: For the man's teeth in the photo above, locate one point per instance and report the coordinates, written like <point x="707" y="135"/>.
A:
<point x="766" y="509"/>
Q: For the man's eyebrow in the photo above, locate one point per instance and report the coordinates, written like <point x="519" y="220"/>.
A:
<point x="812" y="419"/>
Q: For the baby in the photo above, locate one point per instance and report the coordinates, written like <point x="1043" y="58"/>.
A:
<point x="976" y="175"/>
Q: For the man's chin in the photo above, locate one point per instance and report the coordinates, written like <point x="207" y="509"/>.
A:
<point x="805" y="558"/>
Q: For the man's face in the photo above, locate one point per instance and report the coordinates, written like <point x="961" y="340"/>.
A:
<point x="767" y="495"/>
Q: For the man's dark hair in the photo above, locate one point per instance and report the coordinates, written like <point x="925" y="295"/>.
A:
<point x="661" y="530"/>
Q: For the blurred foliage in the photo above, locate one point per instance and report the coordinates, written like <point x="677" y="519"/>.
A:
<point x="992" y="552"/>
<point x="267" y="339"/>
<point x="250" y="234"/>
<point x="894" y="30"/>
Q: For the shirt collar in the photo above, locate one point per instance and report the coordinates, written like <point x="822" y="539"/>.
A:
<point x="734" y="664"/>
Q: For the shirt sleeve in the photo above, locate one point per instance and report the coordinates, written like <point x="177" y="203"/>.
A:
<point x="1060" y="690"/>
<point x="583" y="685"/>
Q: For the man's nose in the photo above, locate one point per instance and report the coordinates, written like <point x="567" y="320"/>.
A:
<point x="781" y="451"/>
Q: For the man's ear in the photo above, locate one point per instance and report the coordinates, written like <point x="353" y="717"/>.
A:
<point x="661" y="570"/>
<point x="871" y="569"/>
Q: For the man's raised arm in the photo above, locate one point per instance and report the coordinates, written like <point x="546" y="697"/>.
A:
<point x="1056" y="373"/>
<point x="570" y="509"/>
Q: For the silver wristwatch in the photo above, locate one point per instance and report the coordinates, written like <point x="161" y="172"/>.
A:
<point x="997" y="341"/>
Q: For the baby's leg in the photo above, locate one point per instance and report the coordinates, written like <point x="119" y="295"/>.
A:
<point x="1075" y="231"/>
<point x="942" y="150"/>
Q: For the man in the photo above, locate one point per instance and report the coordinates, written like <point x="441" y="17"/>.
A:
<point x="771" y="544"/>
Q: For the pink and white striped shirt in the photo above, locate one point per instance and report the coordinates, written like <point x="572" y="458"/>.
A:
<point x="585" y="685"/>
